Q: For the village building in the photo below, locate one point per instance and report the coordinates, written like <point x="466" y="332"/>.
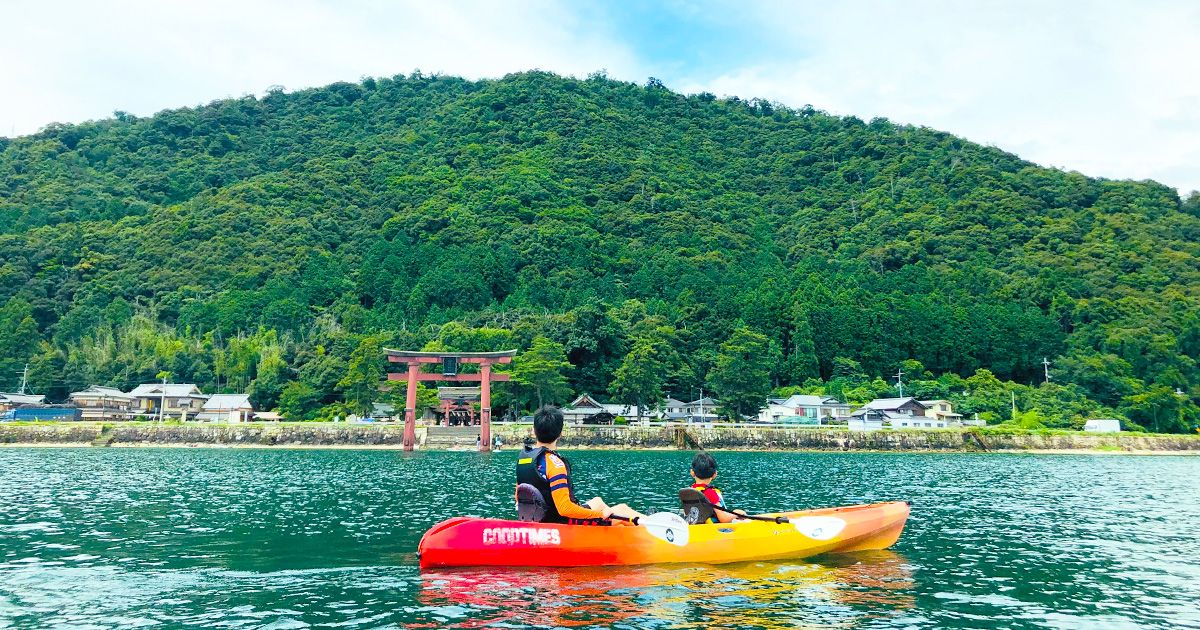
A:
<point x="895" y="413"/>
<point x="12" y="401"/>
<point x="672" y="409"/>
<point x="586" y="409"/>
<point x="167" y="400"/>
<point x="702" y="410"/>
<point x="226" y="408"/>
<point x="803" y="409"/>
<point x="1102" y="425"/>
<point x="942" y="410"/>
<point x="103" y="403"/>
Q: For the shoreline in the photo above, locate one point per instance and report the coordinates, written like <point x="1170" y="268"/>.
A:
<point x="400" y="448"/>
<point x="308" y="436"/>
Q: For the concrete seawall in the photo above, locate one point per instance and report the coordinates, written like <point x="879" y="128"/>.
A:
<point x="318" y="435"/>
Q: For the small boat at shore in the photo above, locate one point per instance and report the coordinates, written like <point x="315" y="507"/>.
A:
<point x="471" y="541"/>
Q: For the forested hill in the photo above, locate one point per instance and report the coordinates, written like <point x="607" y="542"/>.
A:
<point x="254" y="242"/>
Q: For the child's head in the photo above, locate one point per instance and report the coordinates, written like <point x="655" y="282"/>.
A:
<point x="704" y="467"/>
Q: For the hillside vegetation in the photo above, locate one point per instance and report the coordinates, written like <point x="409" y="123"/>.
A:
<point x="660" y="242"/>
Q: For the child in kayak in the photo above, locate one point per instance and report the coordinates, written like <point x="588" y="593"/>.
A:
<point x="704" y="471"/>
<point x="547" y="471"/>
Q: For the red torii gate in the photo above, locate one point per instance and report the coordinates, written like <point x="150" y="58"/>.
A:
<point x="449" y="362"/>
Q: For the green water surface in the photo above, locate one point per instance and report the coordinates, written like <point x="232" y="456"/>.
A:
<point x="309" y="538"/>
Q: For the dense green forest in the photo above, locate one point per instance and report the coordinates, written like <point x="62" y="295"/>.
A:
<point x="633" y="242"/>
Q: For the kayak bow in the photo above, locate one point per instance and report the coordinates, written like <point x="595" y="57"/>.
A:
<point x="468" y="541"/>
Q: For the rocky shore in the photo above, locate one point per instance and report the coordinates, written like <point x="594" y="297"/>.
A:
<point x="334" y="435"/>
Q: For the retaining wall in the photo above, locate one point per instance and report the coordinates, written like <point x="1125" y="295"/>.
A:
<point x="615" y="437"/>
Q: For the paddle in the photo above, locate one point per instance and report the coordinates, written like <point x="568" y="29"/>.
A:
<point x="666" y="526"/>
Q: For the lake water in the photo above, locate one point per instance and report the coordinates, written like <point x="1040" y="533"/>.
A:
<point x="307" y="538"/>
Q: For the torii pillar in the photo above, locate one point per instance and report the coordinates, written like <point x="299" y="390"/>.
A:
<point x="449" y="362"/>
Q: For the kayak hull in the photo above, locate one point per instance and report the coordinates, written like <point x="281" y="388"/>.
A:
<point x="467" y="541"/>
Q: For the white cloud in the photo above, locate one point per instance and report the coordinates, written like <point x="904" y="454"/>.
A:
<point x="1107" y="89"/>
<point x="72" y="61"/>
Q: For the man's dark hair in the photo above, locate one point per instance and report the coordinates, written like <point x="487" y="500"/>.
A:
<point x="704" y="465"/>
<point x="547" y="423"/>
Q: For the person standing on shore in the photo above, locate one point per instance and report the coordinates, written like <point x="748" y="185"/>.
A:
<point x="538" y="465"/>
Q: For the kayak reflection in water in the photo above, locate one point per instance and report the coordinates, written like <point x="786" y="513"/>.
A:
<point x="544" y="493"/>
<point x="841" y="590"/>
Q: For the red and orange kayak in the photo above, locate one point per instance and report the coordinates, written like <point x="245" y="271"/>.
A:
<point x="468" y="541"/>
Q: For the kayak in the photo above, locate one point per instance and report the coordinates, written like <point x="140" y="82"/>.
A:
<point x="469" y="541"/>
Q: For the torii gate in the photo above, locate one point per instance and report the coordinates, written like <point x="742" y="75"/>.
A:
<point x="449" y="362"/>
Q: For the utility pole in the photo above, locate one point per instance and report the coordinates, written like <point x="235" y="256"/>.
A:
<point x="1046" y="367"/>
<point x="24" y="379"/>
<point x="163" y="407"/>
<point x="899" y="382"/>
<point x="1014" y="404"/>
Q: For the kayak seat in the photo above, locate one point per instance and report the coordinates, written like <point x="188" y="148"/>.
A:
<point x="531" y="507"/>
<point x="696" y="507"/>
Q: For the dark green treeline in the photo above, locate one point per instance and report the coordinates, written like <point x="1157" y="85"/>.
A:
<point x="260" y="242"/>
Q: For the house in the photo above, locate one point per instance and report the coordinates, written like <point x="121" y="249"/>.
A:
<point x="226" y="408"/>
<point x="897" y="413"/>
<point x="866" y="422"/>
<point x="167" y="400"/>
<point x="802" y="409"/>
<point x="12" y="401"/>
<point x="942" y="410"/>
<point x="671" y="409"/>
<point x="582" y="408"/>
<point x="702" y="410"/>
<point x="103" y="403"/>
<point x="1102" y="425"/>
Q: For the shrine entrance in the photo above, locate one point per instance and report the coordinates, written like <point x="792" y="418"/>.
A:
<point x="456" y="405"/>
<point x="449" y="363"/>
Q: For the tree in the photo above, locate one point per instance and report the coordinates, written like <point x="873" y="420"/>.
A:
<point x="268" y="385"/>
<point x="641" y="376"/>
<point x="741" y="377"/>
<point x="540" y="368"/>
<point x="1160" y="409"/>
<point x="299" y="401"/>
<point x="364" y="374"/>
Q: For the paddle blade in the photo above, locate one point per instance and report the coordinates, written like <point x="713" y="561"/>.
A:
<point x="666" y="526"/>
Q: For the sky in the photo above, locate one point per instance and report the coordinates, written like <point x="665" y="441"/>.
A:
<point x="1106" y="88"/>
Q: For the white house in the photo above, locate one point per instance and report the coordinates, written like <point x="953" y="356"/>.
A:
<point x="802" y="409"/>
<point x="1102" y="425"/>
<point x="671" y="409"/>
<point x="702" y="410"/>
<point x="227" y="408"/>
<point x="898" y="413"/>
<point x="174" y="400"/>
<point x="869" y="422"/>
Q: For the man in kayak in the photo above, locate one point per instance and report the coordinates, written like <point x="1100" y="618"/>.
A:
<point x="547" y="471"/>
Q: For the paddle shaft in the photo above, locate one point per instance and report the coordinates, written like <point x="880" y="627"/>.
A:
<point x="769" y="519"/>
<point x="753" y="517"/>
